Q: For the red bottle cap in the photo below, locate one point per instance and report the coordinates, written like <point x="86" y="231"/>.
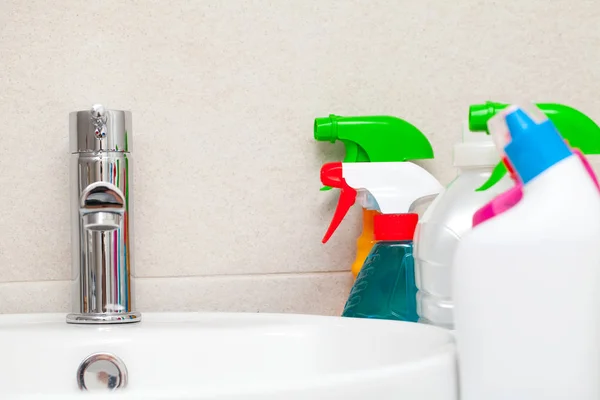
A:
<point x="395" y="226"/>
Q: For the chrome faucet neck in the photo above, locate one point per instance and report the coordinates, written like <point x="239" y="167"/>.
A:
<point x="103" y="278"/>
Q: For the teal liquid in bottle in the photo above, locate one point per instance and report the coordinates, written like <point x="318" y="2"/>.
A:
<point x="385" y="287"/>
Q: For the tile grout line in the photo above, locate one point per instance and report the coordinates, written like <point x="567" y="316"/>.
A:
<point x="208" y="277"/>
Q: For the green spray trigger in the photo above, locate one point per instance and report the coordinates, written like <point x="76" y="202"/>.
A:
<point x="577" y="128"/>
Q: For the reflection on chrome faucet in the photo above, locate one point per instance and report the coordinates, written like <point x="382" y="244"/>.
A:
<point x="101" y="217"/>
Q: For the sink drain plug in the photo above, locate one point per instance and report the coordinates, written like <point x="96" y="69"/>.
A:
<point x="101" y="371"/>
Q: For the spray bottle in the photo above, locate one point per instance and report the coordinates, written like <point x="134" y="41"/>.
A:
<point x="372" y="139"/>
<point x="580" y="131"/>
<point x="385" y="286"/>
<point x="527" y="276"/>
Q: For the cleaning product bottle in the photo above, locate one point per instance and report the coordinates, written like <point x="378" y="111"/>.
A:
<point x="385" y="285"/>
<point x="446" y="220"/>
<point x="372" y="139"/>
<point x="527" y="281"/>
<point x="580" y="131"/>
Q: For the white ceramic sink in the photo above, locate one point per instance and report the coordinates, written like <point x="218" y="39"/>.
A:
<point x="231" y="356"/>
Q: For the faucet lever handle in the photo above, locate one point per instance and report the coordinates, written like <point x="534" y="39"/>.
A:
<point x="99" y="129"/>
<point x="99" y="118"/>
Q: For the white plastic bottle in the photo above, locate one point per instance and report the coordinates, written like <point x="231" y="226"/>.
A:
<point x="446" y="220"/>
<point x="527" y="281"/>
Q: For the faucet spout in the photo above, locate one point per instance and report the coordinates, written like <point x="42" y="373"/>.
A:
<point x="101" y="207"/>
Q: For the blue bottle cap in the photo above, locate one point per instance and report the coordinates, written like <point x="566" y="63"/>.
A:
<point x="534" y="147"/>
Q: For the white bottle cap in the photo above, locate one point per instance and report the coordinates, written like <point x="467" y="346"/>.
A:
<point x="476" y="150"/>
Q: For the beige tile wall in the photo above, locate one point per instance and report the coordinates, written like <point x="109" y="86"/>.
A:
<point x="223" y="93"/>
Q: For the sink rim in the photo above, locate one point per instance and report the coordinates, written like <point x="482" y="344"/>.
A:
<point x="440" y="353"/>
<point x="198" y="316"/>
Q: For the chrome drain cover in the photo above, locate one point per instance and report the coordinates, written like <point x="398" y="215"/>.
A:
<point x="101" y="371"/>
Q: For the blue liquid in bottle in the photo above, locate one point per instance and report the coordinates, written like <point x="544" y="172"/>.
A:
<point x="385" y="287"/>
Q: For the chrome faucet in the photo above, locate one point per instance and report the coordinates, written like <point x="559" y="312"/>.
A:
<point x="101" y="222"/>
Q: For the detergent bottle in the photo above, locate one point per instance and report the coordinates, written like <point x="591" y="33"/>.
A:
<point x="580" y="131"/>
<point x="372" y="139"/>
<point x="385" y="285"/>
<point x="526" y="281"/>
<point x="446" y="220"/>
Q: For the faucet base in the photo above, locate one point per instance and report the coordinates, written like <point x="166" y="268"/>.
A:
<point x="116" y="318"/>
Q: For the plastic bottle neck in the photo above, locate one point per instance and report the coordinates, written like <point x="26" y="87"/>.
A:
<point x="395" y="227"/>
